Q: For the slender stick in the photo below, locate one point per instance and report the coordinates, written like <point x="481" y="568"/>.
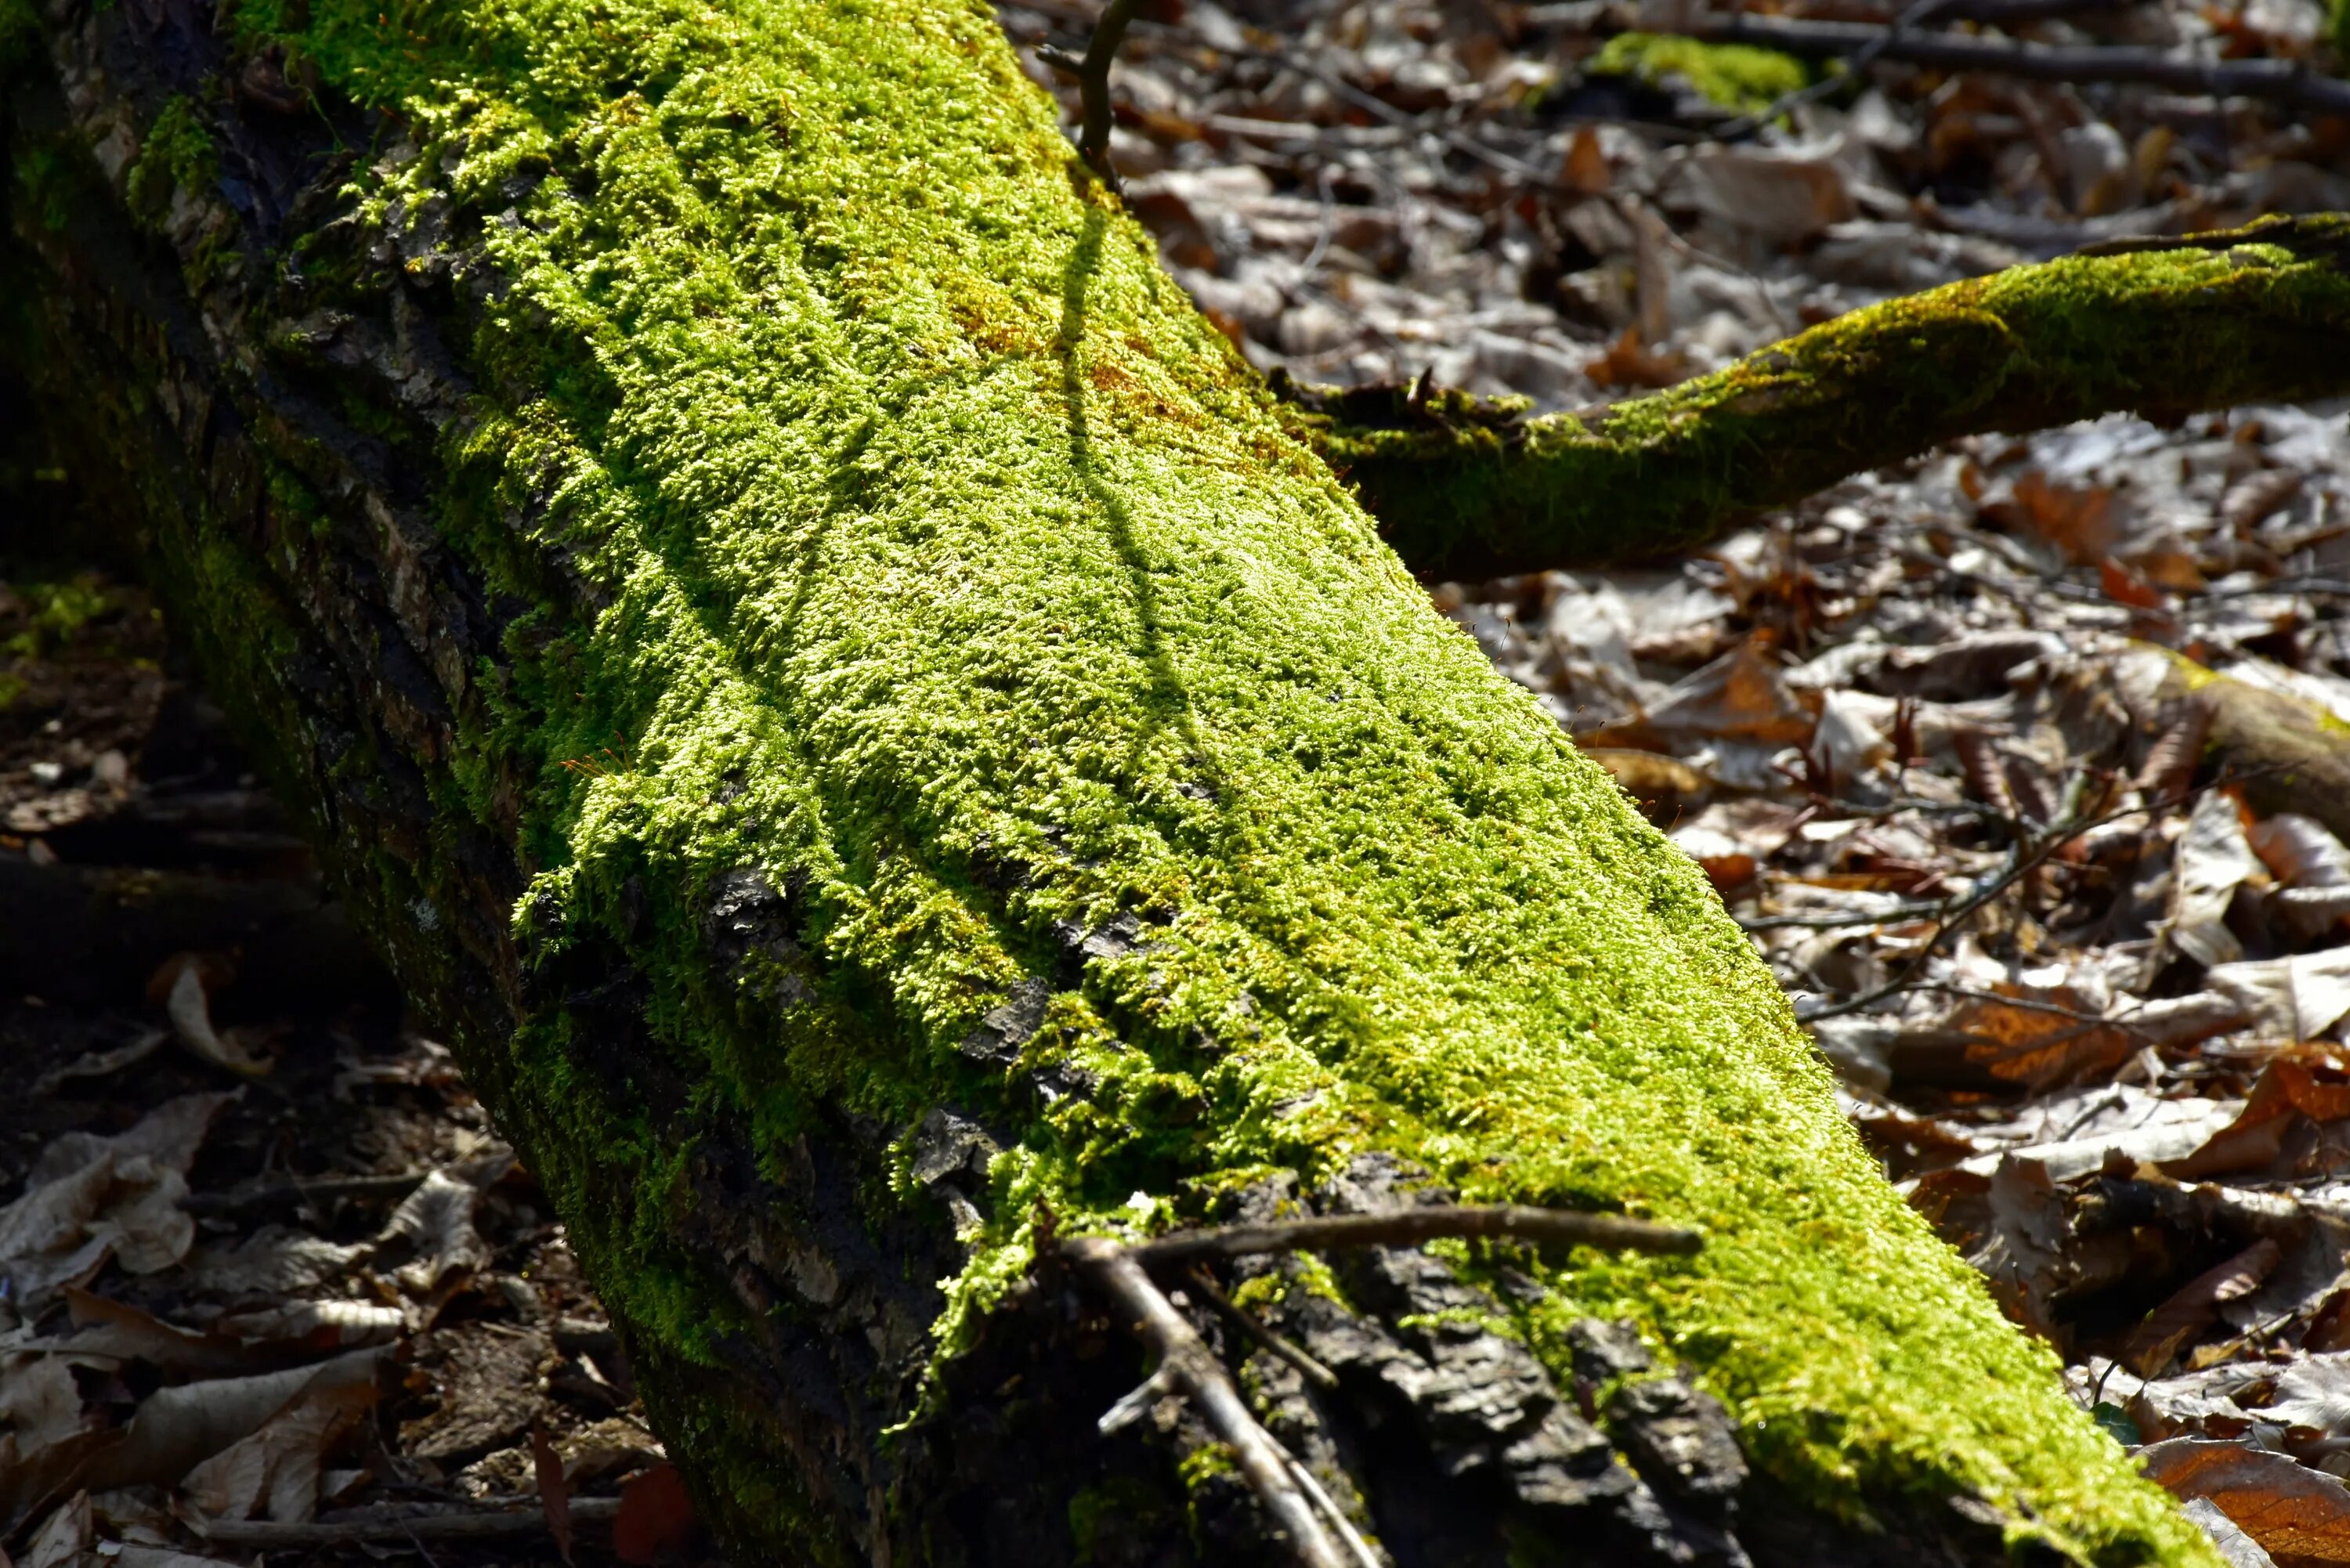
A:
<point x="1112" y="1269"/>
<point x="1234" y="1314"/>
<point x="1405" y="1227"/>
<point x="466" y="1524"/>
<point x="2286" y="81"/>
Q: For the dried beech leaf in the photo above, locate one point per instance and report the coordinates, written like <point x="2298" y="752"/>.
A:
<point x="2291" y="1510"/>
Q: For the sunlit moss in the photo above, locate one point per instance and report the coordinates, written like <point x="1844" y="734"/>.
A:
<point x="1735" y="76"/>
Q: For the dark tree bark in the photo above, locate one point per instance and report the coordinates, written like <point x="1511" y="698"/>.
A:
<point x="822" y="671"/>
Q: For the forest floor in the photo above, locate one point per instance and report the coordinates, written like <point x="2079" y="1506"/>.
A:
<point x="268" y="1283"/>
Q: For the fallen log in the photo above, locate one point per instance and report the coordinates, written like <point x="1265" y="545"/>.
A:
<point x="836" y="688"/>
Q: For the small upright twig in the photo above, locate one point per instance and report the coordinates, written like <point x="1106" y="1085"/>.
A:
<point x="1092" y="74"/>
<point x="1113" y="1270"/>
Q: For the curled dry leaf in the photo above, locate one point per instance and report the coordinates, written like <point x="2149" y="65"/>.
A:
<point x="90" y="1197"/>
<point x="185" y="982"/>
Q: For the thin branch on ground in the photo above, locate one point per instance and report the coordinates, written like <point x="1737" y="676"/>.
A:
<point x="2288" y="82"/>
<point x="457" y="1524"/>
<point x="1786" y="103"/>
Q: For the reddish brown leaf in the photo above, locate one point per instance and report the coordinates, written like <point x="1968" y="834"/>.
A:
<point x="656" y="1523"/>
<point x="2194" y="1305"/>
<point x="554" y="1494"/>
<point x="2295" y="1514"/>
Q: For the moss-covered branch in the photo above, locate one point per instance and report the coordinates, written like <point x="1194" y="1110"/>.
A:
<point x="1466" y="487"/>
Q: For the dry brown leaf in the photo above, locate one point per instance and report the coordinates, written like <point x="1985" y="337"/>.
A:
<point x="1584" y="168"/>
<point x="2293" y="1511"/>
<point x="1742" y="695"/>
<point x="553" y="1491"/>
<point x="2082" y="523"/>
<point x="65" y="1537"/>
<point x="655" y="1524"/>
<point x="1626" y="363"/>
<point x="2285" y="1089"/>
<point x="2022" y="1252"/>
<point x="2195" y="1304"/>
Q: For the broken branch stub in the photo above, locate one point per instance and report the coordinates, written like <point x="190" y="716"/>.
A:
<point x="1466" y="488"/>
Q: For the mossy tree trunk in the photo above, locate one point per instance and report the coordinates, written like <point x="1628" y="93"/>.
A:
<point x="875" y="738"/>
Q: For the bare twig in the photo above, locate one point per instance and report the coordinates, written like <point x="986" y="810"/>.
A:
<point x="462" y="1524"/>
<point x="1114" y="1270"/>
<point x="2285" y="81"/>
<point x="1234" y="1314"/>
<point x="1093" y="84"/>
<point x="1405" y="1227"/>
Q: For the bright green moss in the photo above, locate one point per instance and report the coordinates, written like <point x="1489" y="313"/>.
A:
<point x="936" y="533"/>
<point x="1735" y="76"/>
<point x="178" y="154"/>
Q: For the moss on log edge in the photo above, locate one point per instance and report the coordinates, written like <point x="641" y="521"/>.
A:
<point x="875" y="653"/>
<point x="1468" y="487"/>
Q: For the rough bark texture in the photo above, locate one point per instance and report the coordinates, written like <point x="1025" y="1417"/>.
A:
<point x="1470" y="488"/>
<point x="815" y="663"/>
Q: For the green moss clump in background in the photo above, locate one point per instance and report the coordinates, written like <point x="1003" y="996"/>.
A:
<point x="178" y="155"/>
<point x="56" y="612"/>
<point x="1735" y="76"/>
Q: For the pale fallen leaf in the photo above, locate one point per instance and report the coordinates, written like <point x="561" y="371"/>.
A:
<point x="65" y="1537"/>
<point x="274" y="1471"/>
<point x="437" y="1221"/>
<point x="180" y="1426"/>
<point x="2296" y="997"/>
<point x="2239" y="1548"/>
<point x="274" y="1261"/>
<point x="89" y="1196"/>
<point x="2212" y="860"/>
<point x="2313" y="1393"/>
<point x="189" y="1006"/>
<point x="2302" y="851"/>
